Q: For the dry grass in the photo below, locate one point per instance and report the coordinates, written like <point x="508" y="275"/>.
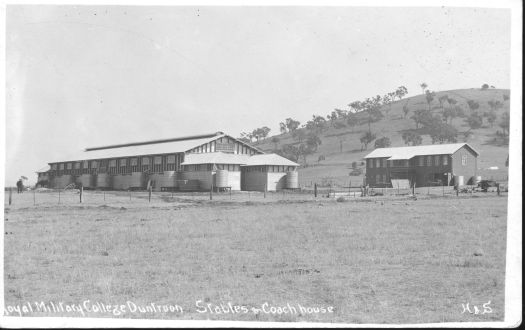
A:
<point x="411" y="262"/>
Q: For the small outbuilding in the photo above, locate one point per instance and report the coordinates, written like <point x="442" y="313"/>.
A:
<point x="269" y="172"/>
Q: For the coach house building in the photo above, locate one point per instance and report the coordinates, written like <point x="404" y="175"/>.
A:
<point x="443" y="164"/>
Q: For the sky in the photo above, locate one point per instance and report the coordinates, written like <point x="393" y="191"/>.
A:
<point x="81" y="76"/>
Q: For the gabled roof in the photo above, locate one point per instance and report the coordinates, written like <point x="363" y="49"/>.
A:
<point x="44" y="169"/>
<point x="269" y="159"/>
<point x="410" y="152"/>
<point x="215" y="158"/>
<point x="156" y="147"/>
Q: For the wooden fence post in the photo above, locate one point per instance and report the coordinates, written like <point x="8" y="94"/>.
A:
<point x="34" y="197"/>
<point x="58" y="195"/>
<point x="149" y="193"/>
<point x="315" y="190"/>
<point x="80" y="193"/>
<point x="10" y="195"/>
<point x="104" y="195"/>
<point x="129" y="194"/>
<point x="265" y="186"/>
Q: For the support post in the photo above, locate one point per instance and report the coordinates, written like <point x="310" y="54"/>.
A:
<point x="58" y="195"/>
<point x="34" y="197"/>
<point x="315" y="190"/>
<point x="80" y="194"/>
<point x="10" y="195"/>
<point x="265" y="186"/>
<point x="104" y="195"/>
<point x="149" y="194"/>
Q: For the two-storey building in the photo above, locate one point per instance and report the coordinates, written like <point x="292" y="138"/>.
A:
<point x="423" y="165"/>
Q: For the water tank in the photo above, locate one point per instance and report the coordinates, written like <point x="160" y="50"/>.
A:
<point x="459" y="180"/>
<point x="137" y="180"/>
<point x="477" y="179"/>
<point x="292" y="180"/>
<point x="103" y="180"/>
<point x="86" y="180"/>
<point x="221" y="179"/>
<point x="64" y="180"/>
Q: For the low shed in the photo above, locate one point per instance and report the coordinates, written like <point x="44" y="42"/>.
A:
<point x="268" y="171"/>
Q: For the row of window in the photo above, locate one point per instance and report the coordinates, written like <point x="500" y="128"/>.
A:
<point x="157" y="160"/>
<point x="435" y="160"/>
<point x="236" y="167"/>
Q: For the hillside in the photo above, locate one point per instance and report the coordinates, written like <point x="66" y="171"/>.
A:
<point x="340" y="147"/>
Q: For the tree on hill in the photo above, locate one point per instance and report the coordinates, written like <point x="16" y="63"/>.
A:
<point x="387" y="100"/>
<point x="341" y="114"/>
<point x="282" y="128"/>
<point x="291" y="124"/>
<point x="484" y="86"/>
<point x="412" y="138"/>
<point x="351" y="121"/>
<point x="332" y="117"/>
<point x="474" y="121"/>
<point x="357" y="106"/>
<point x="441" y="133"/>
<point x="317" y="123"/>
<point x="275" y="140"/>
<point x="429" y="96"/>
<point x="442" y="99"/>
<point x="473" y="105"/>
<point x="451" y="101"/>
<point x="367" y="138"/>
<point x="505" y="122"/>
<point x="400" y="92"/>
<point x="305" y="150"/>
<point x="383" y="142"/>
<point x="372" y="108"/>
<point x="421" y="117"/>
<point x="452" y="112"/>
<point x="313" y="141"/>
<point x="491" y="117"/>
<point x="261" y="132"/>
<point x="289" y="151"/>
<point x="495" y="104"/>
<point x="299" y="135"/>
<point x="423" y="87"/>
<point x="405" y="110"/>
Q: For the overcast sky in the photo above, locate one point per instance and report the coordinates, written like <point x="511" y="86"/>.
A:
<point x="80" y="76"/>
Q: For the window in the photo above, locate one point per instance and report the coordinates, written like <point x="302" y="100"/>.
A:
<point x="54" y="167"/>
<point x="384" y="177"/>
<point x="464" y="160"/>
<point x="145" y="161"/>
<point x="171" y="159"/>
<point x="94" y="164"/>
<point x="383" y="162"/>
<point x="429" y="160"/>
<point x="113" y="163"/>
<point x="436" y="160"/>
<point x="378" y="178"/>
<point x="85" y="164"/>
<point x="378" y="162"/>
<point x="69" y="166"/>
<point x="445" y="160"/>
<point x="133" y="161"/>
<point x="122" y="162"/>
<point x="61" y="166"/>
<point x="421" y="161"/>
<point x="157" y="160"/>
<point x="77" y="166"/>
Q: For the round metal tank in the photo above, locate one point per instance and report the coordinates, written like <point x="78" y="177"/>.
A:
<point x="137" y="180"/>
<point x="221" y="179"/>
<point x="167" y="179"/>
<point x="103" y="180"/>
<point x="64" y="180"/>
<point x="477" y="179"/>
<point x="459" y="180"/>
<point x="86" y="180"/>
<point x="292" y="180"/>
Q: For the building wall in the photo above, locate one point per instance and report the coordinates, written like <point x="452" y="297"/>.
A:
<point x="234" y="180"/>
<point x="468" y="170"/>
<point x="276" y="181"/>
<point x="205" y="178"/>
<point x="256" y="181"/>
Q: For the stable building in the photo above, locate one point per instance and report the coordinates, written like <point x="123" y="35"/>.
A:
<point x="190" y="163"/>
<point x="442" y="164"/>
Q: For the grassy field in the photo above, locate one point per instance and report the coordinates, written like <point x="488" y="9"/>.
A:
<point x="373" y="260"/>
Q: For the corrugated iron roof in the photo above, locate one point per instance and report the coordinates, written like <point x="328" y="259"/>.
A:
<point x="269" y="159"/>
<point x="44" y="169"/>
<point x="215" y="158"/>
<point x="151" y="148"/>
<point x="401" y="153"/>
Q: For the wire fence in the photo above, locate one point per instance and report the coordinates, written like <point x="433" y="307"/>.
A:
<point x="131" y="199"/>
